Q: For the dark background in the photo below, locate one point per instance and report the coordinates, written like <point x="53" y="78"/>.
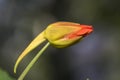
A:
<point x="97" y="57"/>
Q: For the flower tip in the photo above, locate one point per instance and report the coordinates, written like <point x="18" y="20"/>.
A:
<point x="90" y="29"/>
<point x="85" y="30"/>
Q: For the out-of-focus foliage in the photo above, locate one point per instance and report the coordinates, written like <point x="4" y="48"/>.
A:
<point x="97" y="57"/>
<point x="4" y="75"/>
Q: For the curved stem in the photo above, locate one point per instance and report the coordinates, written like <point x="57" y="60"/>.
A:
<point x="21" y="77"/>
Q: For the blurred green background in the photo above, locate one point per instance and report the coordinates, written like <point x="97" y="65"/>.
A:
<point x="96" y="57"/>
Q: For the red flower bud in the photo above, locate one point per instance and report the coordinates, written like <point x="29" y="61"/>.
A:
<point x="63" y="34"/>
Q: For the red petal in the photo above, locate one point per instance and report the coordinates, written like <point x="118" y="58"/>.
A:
<point x="85" y="30"/>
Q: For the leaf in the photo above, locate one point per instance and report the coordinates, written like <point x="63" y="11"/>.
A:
<point x="5" y="76"/>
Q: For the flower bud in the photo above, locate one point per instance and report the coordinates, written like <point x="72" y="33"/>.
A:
<point x="59" y="34"/>
<point x="63" y="34"/>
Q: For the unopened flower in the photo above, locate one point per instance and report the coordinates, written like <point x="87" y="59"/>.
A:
<point x="60" y="35"/>
<point x="63" y="34"/>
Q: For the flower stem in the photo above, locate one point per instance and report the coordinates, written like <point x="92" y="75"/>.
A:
<point x="21" y="77"/>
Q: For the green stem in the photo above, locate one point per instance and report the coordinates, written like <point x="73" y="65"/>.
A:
<point x="21" y="77"/>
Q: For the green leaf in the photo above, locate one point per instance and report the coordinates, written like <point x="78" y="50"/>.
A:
<point x="5" y="76"/>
